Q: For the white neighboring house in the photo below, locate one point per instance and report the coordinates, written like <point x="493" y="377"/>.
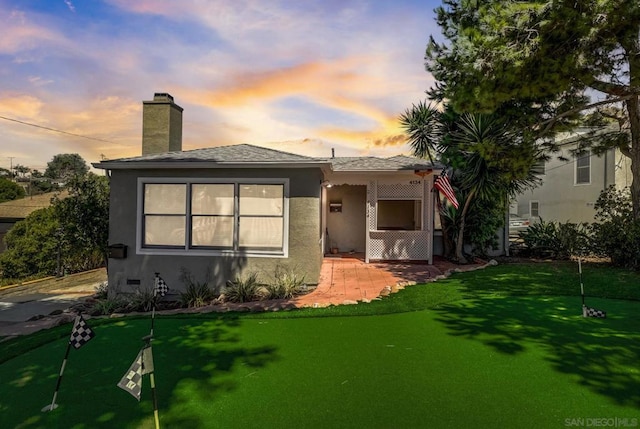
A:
<point x="571" y="188"/>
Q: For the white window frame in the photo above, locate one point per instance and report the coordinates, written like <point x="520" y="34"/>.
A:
<point x="537" y="204"/>
<point x="199" y="251"/>
<point x="587" y="155"/>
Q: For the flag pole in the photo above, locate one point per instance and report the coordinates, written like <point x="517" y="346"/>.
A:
<point x="155" y="294"/>
<point x="581" y="285"/>
<point x="53" y="404"/>
<point x="152" y="379"/>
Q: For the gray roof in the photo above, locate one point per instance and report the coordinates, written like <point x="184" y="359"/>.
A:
<point x="234" y="154"/>
<point x="372" y="163"/>
<point x="246" y="155"/>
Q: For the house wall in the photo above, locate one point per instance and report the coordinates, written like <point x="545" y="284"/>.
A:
<point x="305" y="255"/>
<point x="559" y="198"/>
<point x="347" y="228"/>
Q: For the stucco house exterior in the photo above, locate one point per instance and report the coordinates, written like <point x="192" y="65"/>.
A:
<point x="233" y="210"/>
<point x="570" y="188"/>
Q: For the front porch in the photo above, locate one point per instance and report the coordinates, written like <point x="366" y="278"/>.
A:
<point x="347" y="278"/>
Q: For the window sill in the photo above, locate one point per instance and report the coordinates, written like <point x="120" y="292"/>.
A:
<point x="204" y="252"/>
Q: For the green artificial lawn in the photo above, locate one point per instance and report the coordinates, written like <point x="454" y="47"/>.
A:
<point x="504" y="347"/>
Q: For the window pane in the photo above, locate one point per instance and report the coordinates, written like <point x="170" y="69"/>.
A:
<point x="582" y="175"/>
<point x="214" y="199"/>
<point x="534" y="209"/>
<point x="164" y="230"/>
<point x="213" y="231"/>
<point x="583" y="161"/>
<point x="399" y="215"/>
<point x="164" y="199"/>
<point x="266" y="200"/>
<point x="265" y="232"/>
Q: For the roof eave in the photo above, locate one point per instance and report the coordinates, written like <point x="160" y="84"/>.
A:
<point x="169" y="164"/>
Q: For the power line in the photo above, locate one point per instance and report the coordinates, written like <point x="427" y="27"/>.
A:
<point x="54" y="130"/>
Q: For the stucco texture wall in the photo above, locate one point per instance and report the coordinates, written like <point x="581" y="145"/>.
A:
<point x="305" y="255"/>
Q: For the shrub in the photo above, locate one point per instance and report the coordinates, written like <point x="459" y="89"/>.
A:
<point x="617" y="235"/>
<point x="242" y="289"/>
<point x="286" y="284"/>
<point x="197" y="294"/>
<point x="555" y="239"/>
<point x="106" y="306"/>
<point x="102" y="290"/>
<point x="142" y="300"/>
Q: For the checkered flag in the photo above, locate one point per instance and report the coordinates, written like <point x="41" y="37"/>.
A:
<point x="161" y="287"/>
<point x="592" y="312"/>
<point x="132" y="381"/>
<point x="81" y="333"/>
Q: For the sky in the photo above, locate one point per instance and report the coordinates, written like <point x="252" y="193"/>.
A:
<point x="299" y="76"/>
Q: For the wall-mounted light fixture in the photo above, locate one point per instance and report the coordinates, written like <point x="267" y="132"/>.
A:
<point x="326" y="184"/>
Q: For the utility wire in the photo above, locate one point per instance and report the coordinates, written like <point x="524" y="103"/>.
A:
<point x="54" y="130"/>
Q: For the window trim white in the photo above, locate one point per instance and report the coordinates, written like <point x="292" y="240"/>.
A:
<point x="186" y="251"/>
<point x="587" y="155"/>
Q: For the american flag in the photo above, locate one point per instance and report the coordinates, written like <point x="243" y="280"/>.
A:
<point x="443" y="184"/>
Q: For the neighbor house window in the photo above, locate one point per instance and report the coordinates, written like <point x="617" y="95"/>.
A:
<point x="399" y="215"/>
<point x="583" y="168"/>
<point x="534" y="209"/>
<point x="199" y="216"/>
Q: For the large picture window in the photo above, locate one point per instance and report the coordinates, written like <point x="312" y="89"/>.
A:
<point x="197" y="216"/>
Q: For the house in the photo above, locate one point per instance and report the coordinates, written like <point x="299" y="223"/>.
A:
<point x="571" y="187"/>
<point x="233" y="210"/>
<point x="17" y="210"/>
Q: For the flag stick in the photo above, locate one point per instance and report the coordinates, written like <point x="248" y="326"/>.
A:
<point x="155" y="400"/>
<point x="152" y="379"/>
<point x="581" y="285"/>
<point x="53" y="404"/>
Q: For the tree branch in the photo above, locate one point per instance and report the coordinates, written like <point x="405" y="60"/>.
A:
<point x="549" y="123"/>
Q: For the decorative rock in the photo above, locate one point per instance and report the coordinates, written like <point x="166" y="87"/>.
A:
<point x="492" y="263"/>
<point x="365" y="301"/>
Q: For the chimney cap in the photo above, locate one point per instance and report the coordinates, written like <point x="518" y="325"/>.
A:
<point x="162" y="96"/>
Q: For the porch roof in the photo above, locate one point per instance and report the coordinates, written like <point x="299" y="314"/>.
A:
<point x="372" y="163"/>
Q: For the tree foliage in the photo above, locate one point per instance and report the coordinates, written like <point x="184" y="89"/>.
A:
<point x="65" y="167"/>
<point x="9" y="190"/>
<point x="536" y="62"/>
<point x="71" y="234"/>
<point x="491" y="163"/>
<point x="31" y="246"/>
<point x="84" y="215"/>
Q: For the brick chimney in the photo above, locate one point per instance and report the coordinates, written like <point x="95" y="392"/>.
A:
<point x="161" y="125"/>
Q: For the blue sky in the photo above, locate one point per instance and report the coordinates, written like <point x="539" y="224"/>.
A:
<point x="300" y="76"/>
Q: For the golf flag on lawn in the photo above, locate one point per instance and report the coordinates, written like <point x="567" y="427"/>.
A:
<point x="443" y="184"/>
<point x="132" y="381"/>
<point x="81" y="333"/>
<point x="161" y="287"/>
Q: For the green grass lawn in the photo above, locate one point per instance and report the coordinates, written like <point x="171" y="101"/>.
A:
<point x="504" y="347"/>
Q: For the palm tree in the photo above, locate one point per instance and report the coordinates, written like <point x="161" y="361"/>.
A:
<point x="490" y="161"/>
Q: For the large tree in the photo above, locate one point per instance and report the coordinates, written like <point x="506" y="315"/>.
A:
<point x="84" y="216"/>
<point x="541" y="62"/>
<point x="65" y="167"/>
<point x="491" y="163"/>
